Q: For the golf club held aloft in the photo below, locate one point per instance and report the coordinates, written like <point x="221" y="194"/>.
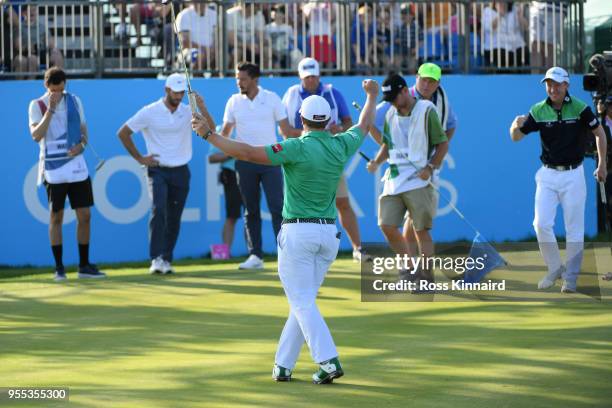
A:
<point x="190" y="95"/>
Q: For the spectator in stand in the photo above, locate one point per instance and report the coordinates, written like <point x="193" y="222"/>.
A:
<point x="321" y="31"/>
<point x="546" y="19"/>
<point x="158" y="21"/>
<point x="139" y="13"/>
<point x="31" y="47"/>
<point x="245" y="33"/>
<point x="196" y="25"/>
<point x="362" y="37"/>
<point x="280" y="36"/>
<point x="295" y="15"/>
<point x="144" y="13"/>
<point x="503" y="25"/>
<point x="437" y="17"/>
<point x="9" y="22"/>
<point x="383" y="38"/>
<point x="165" y="34"/>
<point x="406" y="38"/>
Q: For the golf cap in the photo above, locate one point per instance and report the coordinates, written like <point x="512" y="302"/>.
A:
<point x="315" y="108"/>
<point x="308" y="67"/>
<point x="392" y="86"/>
<point x="557" y="74"/>
<point x="176" y="82"/>
<point x="430" y="70"/>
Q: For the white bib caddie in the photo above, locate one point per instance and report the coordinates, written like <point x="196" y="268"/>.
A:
<point x="408" y="148"/>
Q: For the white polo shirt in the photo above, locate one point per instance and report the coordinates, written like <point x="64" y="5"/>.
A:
<point x="201" y="28"/>
<point x="255" y="119"/>
<point x="166" y="134"/>
<point x="76" y="169"/>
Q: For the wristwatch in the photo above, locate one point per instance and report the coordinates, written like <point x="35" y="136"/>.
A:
<point x="210" y="132"/>
<point x="431" y="167"/>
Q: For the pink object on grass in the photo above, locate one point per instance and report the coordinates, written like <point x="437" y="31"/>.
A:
<point x="220" y="251"/>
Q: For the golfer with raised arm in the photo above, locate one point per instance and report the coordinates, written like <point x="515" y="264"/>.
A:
<point x="308" y="240"/>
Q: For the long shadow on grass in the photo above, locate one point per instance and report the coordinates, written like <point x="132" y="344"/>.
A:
<point x="406" y="358"/>
<point x="447" y="354"/>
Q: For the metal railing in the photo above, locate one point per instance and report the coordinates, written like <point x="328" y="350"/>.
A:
<point x="110" y="38"/>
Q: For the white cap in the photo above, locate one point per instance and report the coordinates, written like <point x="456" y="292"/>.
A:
<point x="315" y="108"/>
<point x="557" y="74"/>
<point x="176" y="82"/>
<point x="308" y="67"/>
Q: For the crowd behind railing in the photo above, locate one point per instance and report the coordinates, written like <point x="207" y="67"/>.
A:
<point x="102" y="38"/>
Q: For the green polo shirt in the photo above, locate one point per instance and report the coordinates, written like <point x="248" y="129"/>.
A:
<point x="313" y="164"/>
<point x="563" y="132"/>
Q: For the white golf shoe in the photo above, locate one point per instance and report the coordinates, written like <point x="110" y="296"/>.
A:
<point x="548" y="281"/>
<point x="252" y="262"/>
<point x="157" y="265"/>
<point x="167" y="268"/>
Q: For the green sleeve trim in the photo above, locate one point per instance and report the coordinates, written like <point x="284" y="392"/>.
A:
<point x="386" y="136"/>
<point x="435" y="132"/>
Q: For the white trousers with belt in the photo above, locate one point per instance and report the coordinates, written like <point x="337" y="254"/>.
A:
<point x="305" y="252"/>
<point x="567" y="188"/>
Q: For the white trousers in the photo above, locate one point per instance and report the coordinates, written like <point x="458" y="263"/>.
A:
<point x="567" y="188"/>
<point x="305" y="252"/>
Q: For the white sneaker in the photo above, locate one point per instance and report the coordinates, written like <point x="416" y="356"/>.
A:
<point x="252" y="262"/>
<point x="167" y="268"/>
<point x="157" y="265"/>
<point x="548" y="281"/>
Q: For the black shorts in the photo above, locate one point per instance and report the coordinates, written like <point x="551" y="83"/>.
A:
<point x="79" y="193"/>
<point x="233" y="200"/>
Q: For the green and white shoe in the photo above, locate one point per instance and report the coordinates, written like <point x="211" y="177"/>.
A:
<point x="281" y="373"/>
<point x="328" y="370"/>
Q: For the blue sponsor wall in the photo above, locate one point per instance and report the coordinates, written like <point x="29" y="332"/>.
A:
<point x="488" y="177"/>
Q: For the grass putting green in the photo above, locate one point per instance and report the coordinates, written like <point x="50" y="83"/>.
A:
<point x="206" y="337"/>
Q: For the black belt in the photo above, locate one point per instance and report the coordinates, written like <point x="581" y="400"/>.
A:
<point x="309" y="220"/>
<point x="161" y="166"/>
<point x="563" y="168"/>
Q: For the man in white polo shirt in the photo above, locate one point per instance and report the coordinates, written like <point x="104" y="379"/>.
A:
<point x="255" y="112"/>
<point x="166" y="127"/>
<point x="57" y="124"/>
